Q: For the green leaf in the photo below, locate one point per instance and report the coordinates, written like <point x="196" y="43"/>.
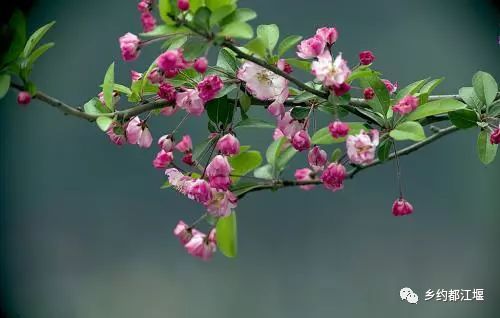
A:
<point x="245" y="102"/>
<point x="195" y="47"/>
<point x="257" y="46"/>
<point x="165" y="29"/>
<point x="227" y="61"/>
<point x="174" y="42"/>
<point x="227" y="235"/>
<point x="264" y="172"/>
<point x="435" y="108"/>
<point x="486" y="150"/>
<point x="91" y="107"/>
<point x="254" y="123"/>
<point x="430" y="86"/>
<point x="384" y="149"/>
<point x="288" y="43"/>
<point x="200" y="149"/>
<point x="107" y="86"/>
<point x="470" y="98"/>
<point x="381" y="101"/>
<point x="241" y="14"/>
<point x="270" y="34"/>
<point x="273" y="150"/>
<point x="243" y="188"/>
<point x="220" y="13"/>
<point x="220" y="111"/>
<point x="215" y="4"/>
<point x="463" y="118"/>
<point x="244" y="162"/>
<point x="36" y="54"/>
<point x="165" y="7"/>
<point x="304" y="97"/>
<point x="201" y="19"/>
<point x="122" y="89"/>
<point x="494" y="109"/>
<point x="4" y="84"/>
<point x="361" y="72"/>
<point x="411" y="89"/>
<point x="104" y="122"/>
<point x="17" y="29"/>
<point x="485" y="86"/>
<point x="35" y="38"/>
<point x="410" y="130"/>
<point x="324" y="137"/>
<point x="336" y="155"/>
<point x="299" y="112"/>
<point x="284" y="158"/>
<point x="301" y="64"/>
<point x="237" y="29"/>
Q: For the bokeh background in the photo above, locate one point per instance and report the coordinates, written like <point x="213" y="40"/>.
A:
<point x="85" y="230"/>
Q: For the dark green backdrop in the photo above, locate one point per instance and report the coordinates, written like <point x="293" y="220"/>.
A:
<point x="86" y="232"/>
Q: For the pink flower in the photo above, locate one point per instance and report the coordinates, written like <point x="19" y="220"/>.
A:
<point x="201" y="65"/>
<point x="166" y="143"/>
<point x="167" y="92"/>
<point x="277" y="134"/>
<point x="163" y="159"/>
<point x="188" y="159"/>
<point x="361" y="148"/>
<point x="116" y="134"/>
<point x="129" y="46"/>
<point x="338" y="129"/>
<point x="401" y="207"/>
<point x="148" y="21"/>
<point x="184" y="233"/>
<point x="366" y="57"/>
<point x="329" y="73"/>
<point x="317" y="158"/>
<point x="169" y="110"/>
<point x="312" y="47"/>
<point x="368" y="93"/>
<point x="289" y="126"/>
<point x="406" y="105"/>
<point x="262" y="83"/>
<point x="138" y="133"/>
<point x="305" y="174"/>
<point x="116" y="98"/>
<point x="333" y="176"/>
<point x="191" y="102"/>
<point x="23" y="98"/>
<point x="135" y="76"/>
<point x="287" y="68"/>
<point x="328" y="35"/>
<point x="185" y="145"/>
<point x="171" y="60"/>
<point x="202" y="246"/>
<point x="495" y="136"/>
<point x="199" y="190"/>
<point x="222" y="203"/>
<point x="341" y="89"/>
<point x="179" y="181"/>
<point x="183" y="5"/>
<point x="209" y="87"/>
<point x="156" y="76"/>
<point x="228" y="145"/>
<point x="391" y="87"/>
<point x="301" y="140"/>
<point x="218" y="171"/>
<point x="144" y="6"/>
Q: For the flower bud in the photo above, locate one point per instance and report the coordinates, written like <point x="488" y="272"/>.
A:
<point x="495" y="137"/>
<point x="167" y="92"/>
<point x="317" y="158"/>
<point x="391" y="87"/>
<point x="166" y="143"/>
<point x="129" y="46"/>
<point x="228" y="145"/>
<point x="209" y="87"/>
<point x="338" y="129"/>
<point x="366" y="57"/>
<point x="333" y="176"/>
<point x="341" y="89"/>
<point x="406" y="105"/>
<point x="201" y="65"/>
<point x="304" y="174"/>
<point x="163" y="159"/>
<point x="301" y="140"/>
<point x="23" y="98"/>
<point x="148" y="21"/>
<point x="183" y="5"/>
<point x="401" y="207"/>
<point x="369" y="93"/>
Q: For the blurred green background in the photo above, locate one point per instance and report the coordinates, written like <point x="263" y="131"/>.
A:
<point x="85" y="230"/>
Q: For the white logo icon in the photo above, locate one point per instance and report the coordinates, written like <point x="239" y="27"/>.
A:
<point x="407" y="294"/>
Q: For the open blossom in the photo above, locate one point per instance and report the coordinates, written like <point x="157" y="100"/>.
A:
<point x="184" y="233"/>
<point x="167" y="92"/>
<point x="331" y="74"/>
<point x="333" y="176"/>
<point x="135" y="76"/>
<point x="288" y="125"/>
<point x="401" y="207"/>
<point x="406" y="105"/>
<point x="222" y="203"/>
<point x="169" y="110"/>
<point x="23" y="98"/>
<point x="156" y="76"/>
<point x="218" y="171"/>
<point x="391" y="87"/>
<point x="163" y="159"/>
<point x="148" y="21"/>
<point x="338" y="129"/>
<point x="166" y="143"/>
<point x="366" y="57"/>
<point x="209" y="87"/>
<point x="201" y="65"/>
<point x="191" y="102"/>
<point x="495" y="136"/>
<point x="171" y="60"/>
<point x="179" y="181"/>
<point x="116" y="134"/>
<point x="361" y="148"/>
<point x="228" y="145"/>
<point x="185" y="145"/>
<point x="301" y="140"/>
<point x="329" y="35"/>
<point x="317" y="158"/>
<point x="199" y="190"/>
<point x="130" y="46"/>
<point x="304" y="174"/>
<point x="368" y="93"/>
<point x="202" y="246"/>
<point x="138" y="133"/>
<point x="312" y="47"/>
<point x="262" y="83"/>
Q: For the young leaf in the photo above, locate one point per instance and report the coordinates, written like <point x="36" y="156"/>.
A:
<point x="107" y="86"/>
<point x="463" y="118"/>
<point x="220" y="13"/>
<point x="241" y="14"/>
<point x="227" y="235"/>
<point x="243" y="188"/>
<point x="299" y="112"/>
<point x="301" y="64"/>
<point x="284" y="158"/>
<point x="273" y="150"/>
<point x="485" y="149"/>
<point x="244" y="163"/>
<point x="194" y="48"/>
<point x="264" y="172"/>
<point x="237" y="29"/>
<point x="227" y="61"/>
<point x="270" y="35"/>
<point x="4" y="84"/>
<point x="410" y="130"/>
<point x="104" y="122"/>
<point x="435" y="108"/>
<point x="201" y="19"/>
<point x="201" y="148"/>
<point x="411" y="89"/>
<point x="91" y="108"/>
<point x="288" y="43"/>
<point x="36" y="54"/>
<point x="215" y="4"/>
<point x="470" y="98"/>
<point x="384" y="149"/>
<point x="254" y="123"/>
<point x="485" y="86"/>
<point x="165" y="7"/>
<point x="257" y="46"/>
<point x="220" y="111"/>
<point x="336" y="155"/>
<point x="245" y="102"/>
<point x="35" y="38"/>
<point x="430" y="86"/>
<point x="17" y="29"/>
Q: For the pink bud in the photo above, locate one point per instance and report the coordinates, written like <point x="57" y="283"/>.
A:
<point x="287" y="68"/>
<point x="188" y="159"/>
<point x="201" y="246"/>
<point x="143" y="6"/>
<point x="341" y="89"/>
<point x="209" y="87"/>
<point x="317" y="158"/>
<point x="167" y="92"/>
<point x="391" y="87"/>
<point x="135" y="76"/>
<point x="338" y="129"/>
<point x="304" y="174"/>
<point x="163" y="159"/>
<point x="166" y="143"/>
<point x="199" y="190"/>
<point x="185" y="145"/>
<point x="366" y="57"/>
<point x="329" y="35"/>
<point x="333" y="176"/>
<point x="184" y="233"/>
<point x="406" y="105"/>
<point x="156" y="76"/>
<point x="401" y="207"/>
<point x="301" y="140"/>
<point x="201" y="65"/>
<point x="310" y="48"/>
<point x="495" y="137"/>
<point x="228" y="145"/>
<point x="218" y="171"/>
<point x="368" y="93"/>
<point x="129" y="46"/>
<point x="148" y="21"/>
<point x="23" y="98"/>
<point x="171" y="60"/>
<point x="183" y="5"/>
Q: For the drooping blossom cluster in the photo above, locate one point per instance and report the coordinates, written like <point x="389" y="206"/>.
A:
<point x="196" y="243"/>
<point x="148" y="21"/>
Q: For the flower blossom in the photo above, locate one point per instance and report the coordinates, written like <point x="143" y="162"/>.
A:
<point x="304" y="174"/>
<point x="209" y="87"/>
<point x="202" y="246"/>
<point x="167" y="92"/>
<point x="163" y="159"/>
<point x="184" y="233"/>
<point x="391" y="87"/>
<point x="148" y="21"/>
<point x="328" y="35"/>
<point x="138" y="133"/>
<point x="185" y="145"/>
<point x="301" y="140"/>
<point x="228" y="145"/>
<point x="199" y="190"/>
<point x="218" y="171"/>
<point x="135" y="76"/>
<point x="338" y="129"/>
<point x="317" y="158"/>
<point x="116" y="134"/>
<point x="330" y="74"/>
<point x="401" y="207"/>
<point x="406" y="105"/>
<point x="222" y="203"/>
<point x="171" y="60"/>
<point x="166" y="143"/>
<point x="191" y="102"/>
<point x="361" y="148"/>
<point x="130" y="46"/>
<point x="333" y="176"/>
<point x="312" y="47"/>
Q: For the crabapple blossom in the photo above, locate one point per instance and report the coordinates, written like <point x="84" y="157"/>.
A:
<point x="361" y="148"/>
<point x="209" y="87"/>
<point x="338" y="129"/>
<point x="406" y="105"/>
<point x="495" y="136"/>
<point x="311" y="48"/>
<point x="169" y="110"/>
<point x="135" y="76"/>
<point x="288" y="125"/>
<point x="144" y="6"/>
<point x="201" y="65"/>
<point x="401" y="207"/>
<point x="188" y="159"/>
<point x="328" y="35"/>
<point x="228" y="145"/>
<point x="222" y="203"/>
<point x="202" y="246"/>
<point x="148" y="21"/>
<point x="166" y="142"/>
<point x="167" y="92"/>
<point x="23" y="98"/>
<point x="304" y="174"/>
<point x="163" y="159"/>
<point x="130" y="46"/>
<point x="191" y="102"/>
<point x="317" y="158"/>
<point x="156" y="76"/>
<point x="171" y="60"/>
<point x="116" y="134"/>
<point x="333" y="176"/>
<point x="340" y="89"/>
<point x="261" y="82"/>
<point x="301" y="140"/>
<point x="368" y="93"/>
<point x="328" y="72"/>
<point x="199" y="190"/>
<point x="391" y="87"/>
<point x="218" y="171"/>
<point x="138" y="133"/>
<point x="184" y="233"/>
<point x="366" y="57"/>
<point x="185" y="145"/>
